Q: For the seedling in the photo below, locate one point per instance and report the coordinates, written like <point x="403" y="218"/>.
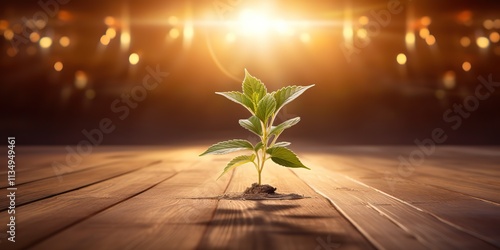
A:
<point x="263" y="107"/>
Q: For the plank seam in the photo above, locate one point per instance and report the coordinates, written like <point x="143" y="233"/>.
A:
<point x="205" y="232"/>
<point x="98" y="212"/>
<point x="84" y="186"/>
<point x="472" y="233"/>
<point x="367" y="236"/>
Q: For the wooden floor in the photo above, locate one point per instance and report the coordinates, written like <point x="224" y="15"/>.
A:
<point x="160" y="198"/>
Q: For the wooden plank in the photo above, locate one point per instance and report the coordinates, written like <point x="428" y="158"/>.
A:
<point x="472" y="216"/>
<point x="49" y="187"/>
<point x="165" y="216"/>
<point x="37" y="163"/>
<point x="310" y="223"/>
<point x="417" y="229"/>
<point x="40" y="220"/>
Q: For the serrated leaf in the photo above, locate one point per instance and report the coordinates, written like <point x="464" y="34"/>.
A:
<point x="253" y="88"/>
<point x="282" y="144"/>
<point x="265" y="108"/>
<point x="287" y="94"/>
<point x="228" y="147"/>
<point x="286" y="124"/>
<point x="285" y="157"/>
<point x="236" y="162"/>
<point x="239" y="98"/>
<point x="252" y="124"/>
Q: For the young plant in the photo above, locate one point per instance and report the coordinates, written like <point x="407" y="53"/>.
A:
<point x="263" y="107"/>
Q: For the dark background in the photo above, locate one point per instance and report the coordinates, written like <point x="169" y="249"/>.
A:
<point x="369" y="100"/>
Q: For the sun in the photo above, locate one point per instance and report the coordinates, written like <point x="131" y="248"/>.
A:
<point x="253" y="22"/>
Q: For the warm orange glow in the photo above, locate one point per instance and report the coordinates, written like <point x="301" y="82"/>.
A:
<point x="111" y="33"/>
<point x="362" y="33"/>
<point x="363" y="20"/>
<point x="410" y="39"/>
<point x="64" y="41"/>
<point x="466" y="66"/>
<point x="4" y="24"/>
<point x="133" y="58"/>
<point x="465" y="41"/>
<point x="34" y="37"/>
<point x="45" y="42"/>
<point x="173" y="20"/>
<point x="230" y="37"/>
<point x="424" y="33"/>
<point x="430" y="40"/>
<point x="8" y="34"/>
<point x="81" y="79"/>
<point x="494" y="37"/>
<point x="488" y="24"/>
<point x="58" y="66"/>
<point x="64" y="15"/>
<point x="105" y="40"/>
<point x="425" y="21"/>
<point x="305" y="37"/>
<point x="174" y="33"/>
<point x="449" y="79"/>
<point x="482" y="42"/>
<point x="109" y="21"/>
<point x="252" y="22"/>
<point x="401" y="59"/>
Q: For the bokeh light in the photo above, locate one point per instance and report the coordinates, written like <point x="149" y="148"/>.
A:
<point x="488" y="24"/>
<point x="425" y="21"/>
<point x="105" y="40"/>
<point x="465" y="41"/>
<point x="430" y="40"/>
<point x="133" y="58"/>
<point x="109" y="21"/>
<point x="482" y="42"/>
<point x="363" y="20"/>
<point x="111" y="33"/>
<point x="34" y="37"/>
<point x="58" y="66"/>
<point x="466" y="66"/>
<point x="174" y="33"/>
<point x="449" y="79"/>
<point x="401" y="59"/>
<point x="494" y="37"/>
<point x="64" y="41"/>
<point x="81" y="79"/>
<point x="8" y="34"/>
<point x="45" y="42"/>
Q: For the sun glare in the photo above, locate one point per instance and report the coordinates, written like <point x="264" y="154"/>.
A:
<point x="252" y="22"/>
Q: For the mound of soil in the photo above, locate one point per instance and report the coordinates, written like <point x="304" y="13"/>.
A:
<point x="260" y="189"/>
<point x="260" y="192"/>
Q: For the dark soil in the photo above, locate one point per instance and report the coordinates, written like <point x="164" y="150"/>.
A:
<point x="260" y="189"/>
<point x="261" y="192"/>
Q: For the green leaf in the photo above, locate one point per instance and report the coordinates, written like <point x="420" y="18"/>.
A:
<point x="239" y="98"/>
<point x="287" y="94"/>
<point x="238" y="161"/>
<point x="252" y="124"/>
<point x="285" y="157"/>
<point x="282" y="144"/>
<point x="258" y="146"/>
<point x="253" y="88"/>
<point x="265" y="108"/>
<point x="228" y="147"/>
<point x="286" y="124"/>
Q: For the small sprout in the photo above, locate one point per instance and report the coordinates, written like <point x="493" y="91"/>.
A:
<point x="264" y="108"/>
